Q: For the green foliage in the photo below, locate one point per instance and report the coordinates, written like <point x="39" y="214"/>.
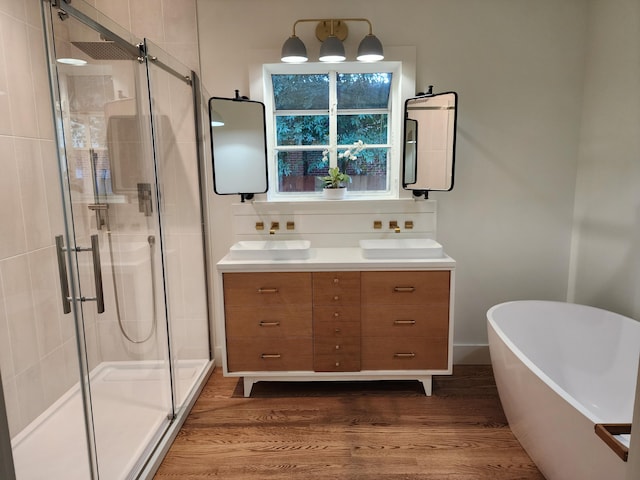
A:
<point x="335" y="178"/>
<point x="302" y="130"/>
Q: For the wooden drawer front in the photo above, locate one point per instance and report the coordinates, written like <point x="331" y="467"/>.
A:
<point x="405" y="288"/>
<point x="336" y="355"/>
<point x="269" y="354"/>
<point x="336" y="329"/>
<point x="262" y="289"/>
<point x="405" y="321"/>
<point x="336" y="288"/>
<point x="337" y="362"/>
<point x="279" y="321"/>
<point x="414" y="353"/>
<point x="336" y="313"/>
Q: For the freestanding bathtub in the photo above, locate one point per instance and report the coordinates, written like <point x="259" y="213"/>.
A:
<point x="561" y="368"/>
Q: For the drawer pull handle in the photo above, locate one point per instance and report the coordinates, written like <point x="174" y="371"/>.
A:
<point x="336" y="280"/>
<point x="337" y="347"/>
<point x="404" y="322"/>
<point x="336" y="298"/>
<point x="336" y="314"/>
<point x="269" y="324"/>
<point x="267" y="290"/>
<point x="404" y="355"/>
<point x="270" y="355"/>
<point x="337" y="330"/>
<point x="404" y="289"/>
<point x="337" y="364"/>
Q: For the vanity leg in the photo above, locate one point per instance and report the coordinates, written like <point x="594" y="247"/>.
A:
<point x="427" y="384"/>
<point x="248" y="385"/>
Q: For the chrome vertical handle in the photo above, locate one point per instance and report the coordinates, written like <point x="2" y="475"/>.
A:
<point x="62" y="270"/>
<point x="97" y="272"/>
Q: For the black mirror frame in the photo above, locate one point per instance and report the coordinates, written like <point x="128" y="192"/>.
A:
<point x="243" y="195"/>
<point x="420" y="192"/>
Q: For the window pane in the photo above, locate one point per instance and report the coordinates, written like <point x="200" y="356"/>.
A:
<point x="301" y="171"/>
<point x="363" y="90"/>
<point x="301" y="92"/>
<point x="302" y="130"/>
<point x="370" y="128"/>
<point x="369" y="171"/>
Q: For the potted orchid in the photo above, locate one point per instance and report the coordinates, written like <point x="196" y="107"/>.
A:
<point x="335" y="182"/>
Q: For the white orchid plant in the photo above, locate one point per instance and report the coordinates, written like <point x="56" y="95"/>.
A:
<point x="335" y="178"/>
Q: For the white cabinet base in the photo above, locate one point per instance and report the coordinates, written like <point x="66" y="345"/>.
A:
<point x="250" y="379"/>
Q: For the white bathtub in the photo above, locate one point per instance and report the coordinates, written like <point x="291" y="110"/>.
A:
<point x="561" y="368"/>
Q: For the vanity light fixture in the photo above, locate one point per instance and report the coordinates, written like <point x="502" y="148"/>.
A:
<point x="332" y="32"/>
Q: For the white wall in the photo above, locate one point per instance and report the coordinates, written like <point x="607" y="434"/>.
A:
<point x="605" y="263"/>
<point x="606" y="254"/>
<point x="518" y="68"/>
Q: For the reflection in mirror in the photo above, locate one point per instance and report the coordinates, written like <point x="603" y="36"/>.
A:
<point x="410" y="153"/>
<point x="429" y="142"/>
<point x="239" y="147"/>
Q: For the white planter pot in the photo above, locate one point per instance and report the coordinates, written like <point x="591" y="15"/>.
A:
<point x="334" y="193"/>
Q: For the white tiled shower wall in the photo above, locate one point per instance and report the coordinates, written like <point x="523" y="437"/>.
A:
<point x="30" y="205"/>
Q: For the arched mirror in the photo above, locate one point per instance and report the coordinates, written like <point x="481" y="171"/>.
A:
<point x="239" y="146"/>
<point x="429" y="142"/>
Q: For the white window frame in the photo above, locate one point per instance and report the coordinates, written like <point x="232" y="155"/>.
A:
<point x="398" y="93"/>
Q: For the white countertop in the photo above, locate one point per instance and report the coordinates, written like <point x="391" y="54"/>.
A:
<point x="334" y="259"/>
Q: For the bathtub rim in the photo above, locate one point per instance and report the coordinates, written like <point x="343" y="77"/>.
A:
<point x="537" y="370"/>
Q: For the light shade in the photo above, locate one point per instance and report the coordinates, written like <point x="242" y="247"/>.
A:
<point x="332" y="50"/>
<point x="370" y="49"/>
<point x="294" y="51"/>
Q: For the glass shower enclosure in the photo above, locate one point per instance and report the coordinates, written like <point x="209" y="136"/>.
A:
<point x="129" y="256"/>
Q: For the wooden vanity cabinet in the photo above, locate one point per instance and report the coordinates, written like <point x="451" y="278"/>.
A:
<point x="337" y="325"/>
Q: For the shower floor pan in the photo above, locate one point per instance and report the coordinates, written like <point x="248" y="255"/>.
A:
<point x="127" y="420"/>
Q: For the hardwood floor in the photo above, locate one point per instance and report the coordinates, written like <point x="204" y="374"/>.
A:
<point x="349" y="430"/>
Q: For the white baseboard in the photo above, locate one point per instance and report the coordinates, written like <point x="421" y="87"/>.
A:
<point x="471" y="355"/>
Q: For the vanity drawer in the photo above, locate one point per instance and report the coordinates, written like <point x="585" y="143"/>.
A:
<point x="336" y="329"/>
<point x="342" y="362"/>
<point x="336" y="313"/>
<point x="278" y="321"/>
<point x="269" y="354"/>
<point x="405" y="288"/>
<point x="406" y="320"/>
<point x="413" y="353"/>
<point x="336" y="288"/>
<point x="261" y="289"/>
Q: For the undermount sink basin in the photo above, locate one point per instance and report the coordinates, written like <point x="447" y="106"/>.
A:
<point x="401" y="248"/>
<point x="270" y="250"/>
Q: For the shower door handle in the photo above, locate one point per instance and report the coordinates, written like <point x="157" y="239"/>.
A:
<point x="97" y="272"/>
<point x="62" y="270"/>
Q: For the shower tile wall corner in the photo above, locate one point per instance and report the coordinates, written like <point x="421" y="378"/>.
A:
<point x="30" y="202"/>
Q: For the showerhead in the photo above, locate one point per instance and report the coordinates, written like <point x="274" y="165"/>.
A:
<point x="105" y="50"/>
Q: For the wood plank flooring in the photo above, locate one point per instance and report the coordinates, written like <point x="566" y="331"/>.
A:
<point x="349" y="430"/>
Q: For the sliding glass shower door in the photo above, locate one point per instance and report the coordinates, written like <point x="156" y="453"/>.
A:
<point x="113" y="239"/>
<point x="173" y="90"/>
